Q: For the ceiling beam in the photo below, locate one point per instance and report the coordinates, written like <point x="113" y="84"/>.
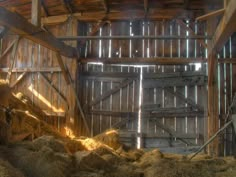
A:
<point x="21" y="26"/>
<point x="36" y="13"/>
<point x="123" y="16"/>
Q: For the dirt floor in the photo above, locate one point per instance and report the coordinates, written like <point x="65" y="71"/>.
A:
<point x="31" y="148"/>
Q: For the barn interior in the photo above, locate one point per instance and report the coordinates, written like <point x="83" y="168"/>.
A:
<point x="117" y="88"/>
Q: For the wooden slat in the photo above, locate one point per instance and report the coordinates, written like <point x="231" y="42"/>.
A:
<point x="21" y="26"/>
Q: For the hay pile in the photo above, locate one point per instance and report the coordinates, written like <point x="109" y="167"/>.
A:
<point x="7" y="170"/>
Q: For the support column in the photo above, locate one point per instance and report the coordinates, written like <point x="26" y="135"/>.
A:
<point x="213" y="112"/>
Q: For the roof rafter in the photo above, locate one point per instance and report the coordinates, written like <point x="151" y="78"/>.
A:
<point x="22" y="27"/>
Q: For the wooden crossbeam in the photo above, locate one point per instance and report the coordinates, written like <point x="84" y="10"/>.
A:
<point x="21" y="26"/>
<point x="182" y="97"/>
<point x="148" y="115"/>
<point x="64" y="70"/>
<point x="32" y="70"/>
<point x="97" y="100"/>
<point x="171" y="132"/>
<point x="18" y="80"/>
<point x="50" y="84"/>
<point x="153" y="61"/>
<point x="36" y="13"/>
<point x="145" y="61"/>
<point x="211" y="15"/>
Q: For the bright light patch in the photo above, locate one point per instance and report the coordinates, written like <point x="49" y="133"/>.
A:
<point x="44" y="100"/>
<point x="69" y="132"/>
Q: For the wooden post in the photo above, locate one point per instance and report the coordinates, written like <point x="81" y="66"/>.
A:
<point x="213" y="116"/>
<point x="36" y="13"/>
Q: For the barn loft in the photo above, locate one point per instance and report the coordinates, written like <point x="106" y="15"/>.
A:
<point x="117" y="88"/>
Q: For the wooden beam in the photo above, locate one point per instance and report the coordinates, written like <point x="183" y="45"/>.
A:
<point x="153" y="61"/>
<point x="171" y="82"/>
<point x="187" y="100"/>
<point x="97" y="100"/>
<point x="158" y="14"/>
<point x="8" y="49"/>
<point x="225" y="28"/>
<point x="20" y="78"/>
<point x="21" y="70"/>
<point x="64" y="69"/>
<point x="213" y="112"/>
<point x="36" y="13"/>
<point x="145" y="6"/>
<point x="44" y="8"/>
<point x="21" y="26"/>
<point x="13" y="59"/>
<point x="211" y="15"/>
<point x="67" y="6"/>
<point x="50" y="84"/>
<point x="147" y="115"/>
<point x="105" y="5"/>
<point x="144" y="61"/>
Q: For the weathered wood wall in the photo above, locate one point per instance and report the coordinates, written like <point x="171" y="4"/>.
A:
<point x="227" y="90"/>
<point x="163" y="111"/>
<point x="43" y="75"/>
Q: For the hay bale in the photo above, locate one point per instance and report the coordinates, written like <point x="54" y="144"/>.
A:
<point x="149" y="158"/>
<point x="7" y="170"/>
<point x="110" y="138"/>
<point x="175" y="168"/>
<point x="49" y="141"/>
<point x="42" y="163"/>
<point x="87" y="160"/>
<point x="74" y="145"/>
